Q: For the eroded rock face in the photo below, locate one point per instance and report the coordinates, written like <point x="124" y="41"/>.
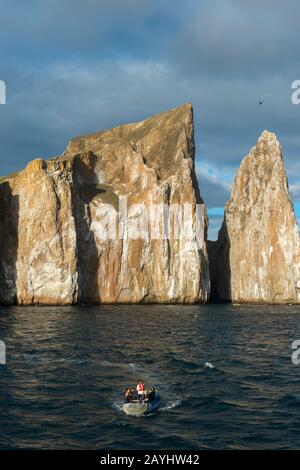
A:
<point x="52" y="246"/>
<point x="38" y="237"/>
<point x="257" y="255"/>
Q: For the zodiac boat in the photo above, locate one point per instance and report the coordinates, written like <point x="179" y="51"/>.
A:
<point x="136" y="408"/>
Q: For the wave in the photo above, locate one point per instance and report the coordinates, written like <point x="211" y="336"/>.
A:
<point x="209" y="365"/>
<point x="171" y="404"/>
<point x="289" y="401"/>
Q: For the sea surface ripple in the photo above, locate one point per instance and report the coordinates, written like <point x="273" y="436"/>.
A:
<point x="224" y="373"/>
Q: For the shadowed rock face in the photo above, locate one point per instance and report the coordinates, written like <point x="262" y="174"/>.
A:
<point x="54" y="252"/>
<point x="257" y="255"/>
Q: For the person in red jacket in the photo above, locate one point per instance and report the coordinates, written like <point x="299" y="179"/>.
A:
<point x="141" y="390"/>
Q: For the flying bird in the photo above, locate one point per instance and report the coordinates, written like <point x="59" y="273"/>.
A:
<point x="260" y="103"/>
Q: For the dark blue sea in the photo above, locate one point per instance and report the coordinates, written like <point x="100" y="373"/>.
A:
<point x="224" y="373"/>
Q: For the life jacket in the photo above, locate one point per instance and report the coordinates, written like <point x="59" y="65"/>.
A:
<point x="140" y="387"/>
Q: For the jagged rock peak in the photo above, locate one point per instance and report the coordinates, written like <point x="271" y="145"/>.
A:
<point x="257" y="255"/>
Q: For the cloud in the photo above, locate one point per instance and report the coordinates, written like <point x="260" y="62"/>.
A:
<point x="75" y="28"/>
<point x="214" y="183"/>
<point x="295" y="191"/>
<point x="214" y="226"/>
<point x="233" y="38"/>
<point x="213" y="174"/>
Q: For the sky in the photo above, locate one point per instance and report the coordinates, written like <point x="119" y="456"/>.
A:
<point x="77" y="66"/>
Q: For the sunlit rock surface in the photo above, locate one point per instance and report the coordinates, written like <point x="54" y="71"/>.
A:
<point x="257" y="255"/>
<point x="53" y="215"/>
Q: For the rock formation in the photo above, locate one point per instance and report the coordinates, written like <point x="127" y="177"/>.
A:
<point x="257" y="255"/>
<point x="55" y="232"/>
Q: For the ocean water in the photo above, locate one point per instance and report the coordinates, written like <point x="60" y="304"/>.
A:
<point x="224" y="373"/>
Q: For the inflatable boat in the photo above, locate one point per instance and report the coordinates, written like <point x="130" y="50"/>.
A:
<point x="136" y="408"/>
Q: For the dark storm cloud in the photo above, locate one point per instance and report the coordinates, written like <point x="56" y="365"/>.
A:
<point x="76" y="66"/>
<point x="92" y="28"/>
<point x="236" y="38"/>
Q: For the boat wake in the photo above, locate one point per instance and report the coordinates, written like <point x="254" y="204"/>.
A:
<point x="171" y="404"/>
<point x="118" y="406"/>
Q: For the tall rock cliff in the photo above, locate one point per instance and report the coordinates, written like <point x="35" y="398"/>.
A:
<point x="57" y="218"/>
<point x="257" y="255"/>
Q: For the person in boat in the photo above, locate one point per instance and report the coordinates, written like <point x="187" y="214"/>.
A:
<point x="129" y="395"/>
<point x="141" y="390"/>
<point x="150" y="395"/>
